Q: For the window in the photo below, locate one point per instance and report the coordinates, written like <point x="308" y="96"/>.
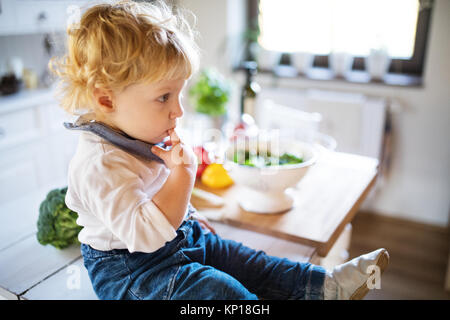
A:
<point x="352" y="26"/>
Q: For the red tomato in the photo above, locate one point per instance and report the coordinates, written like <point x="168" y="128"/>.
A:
<point x="202" y="160"/>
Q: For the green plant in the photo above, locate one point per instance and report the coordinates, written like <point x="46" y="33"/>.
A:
<point x="210" y="93"/>
<point x="57" y="223"/>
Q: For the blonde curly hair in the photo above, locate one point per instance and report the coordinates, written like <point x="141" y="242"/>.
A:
<point x="118" y="43"/>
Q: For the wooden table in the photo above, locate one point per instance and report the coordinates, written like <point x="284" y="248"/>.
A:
<point x="326" y="200"/>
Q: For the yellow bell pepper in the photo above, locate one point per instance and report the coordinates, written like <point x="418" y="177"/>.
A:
<point x="215" y="176"/>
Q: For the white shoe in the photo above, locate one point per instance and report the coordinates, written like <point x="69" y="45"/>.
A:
<point x="351" y="277"/>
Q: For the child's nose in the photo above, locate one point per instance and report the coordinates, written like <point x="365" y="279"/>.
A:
<point x="177" y="112"/>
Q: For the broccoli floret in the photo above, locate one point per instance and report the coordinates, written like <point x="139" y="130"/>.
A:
<point x="57" y="223"/>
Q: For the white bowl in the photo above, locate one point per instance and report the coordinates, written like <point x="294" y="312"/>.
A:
<point x="266" y="187"/>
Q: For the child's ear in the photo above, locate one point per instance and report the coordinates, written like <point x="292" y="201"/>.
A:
<point x="104" y="99"/>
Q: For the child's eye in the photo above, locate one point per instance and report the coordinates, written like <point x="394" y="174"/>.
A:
<point x="164" y="98"/>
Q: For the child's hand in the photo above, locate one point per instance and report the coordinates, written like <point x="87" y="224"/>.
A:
<point x="179" y="155"/>
<point x="203" y="221"/>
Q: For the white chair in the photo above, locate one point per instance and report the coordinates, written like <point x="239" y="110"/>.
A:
<point x="293" y="123"/>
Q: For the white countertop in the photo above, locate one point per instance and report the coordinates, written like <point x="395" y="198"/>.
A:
<point x="26" y="99"/>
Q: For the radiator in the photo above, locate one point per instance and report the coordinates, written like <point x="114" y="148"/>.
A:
<point x="355" y="120"/>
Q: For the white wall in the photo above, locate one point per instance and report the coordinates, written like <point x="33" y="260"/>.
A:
<point x="18" y="46"/>
<point x="419" y="185"/>
<point x="211" y="23"/>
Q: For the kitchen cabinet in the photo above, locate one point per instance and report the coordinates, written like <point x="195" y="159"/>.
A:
<point x="7" y="16"/>
<point x="37" y="16"/>
<point x="35" y="148"/>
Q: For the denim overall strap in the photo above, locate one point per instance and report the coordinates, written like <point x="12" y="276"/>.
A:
<point x="118" y="138"/>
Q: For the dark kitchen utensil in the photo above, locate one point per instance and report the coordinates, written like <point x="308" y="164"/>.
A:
<point x="9" y="84"/>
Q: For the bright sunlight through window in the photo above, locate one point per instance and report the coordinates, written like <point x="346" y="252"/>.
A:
<point x="353" y="26"/>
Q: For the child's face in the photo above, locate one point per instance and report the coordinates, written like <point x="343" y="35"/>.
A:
<point x="147" y="111"/>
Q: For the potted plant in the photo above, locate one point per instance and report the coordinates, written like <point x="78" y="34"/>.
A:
<point x="210" y="95"/>
<point x="302" y="61"/>
<point x="377" y="63"/>
<point x="340" y="63"/>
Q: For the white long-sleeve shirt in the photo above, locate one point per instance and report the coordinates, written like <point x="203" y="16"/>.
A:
<point x="112" y="191"/>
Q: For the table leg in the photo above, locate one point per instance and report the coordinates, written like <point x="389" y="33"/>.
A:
<point x="447" y="277"/>
<point x="339" y="253"/>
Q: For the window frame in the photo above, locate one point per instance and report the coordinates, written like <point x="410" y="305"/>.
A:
<point x="414" y="66"/>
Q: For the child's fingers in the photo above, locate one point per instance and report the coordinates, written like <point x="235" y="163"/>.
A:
<point x="207" y="226"/>
<point x="210" y="227"/>
<point x="203" y="221"/>
<point x="174" y="139"/>
<point x="158" y="152"/>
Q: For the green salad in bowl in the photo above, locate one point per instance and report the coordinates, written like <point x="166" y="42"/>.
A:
<point x="266" y="170"/>
<point x="264" y="159"/>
